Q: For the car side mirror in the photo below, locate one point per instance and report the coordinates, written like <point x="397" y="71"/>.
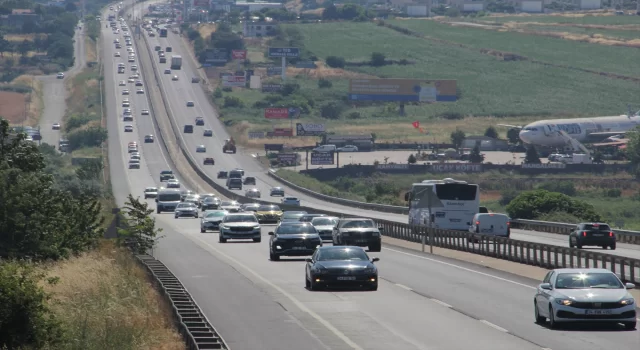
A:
<point x="629" y="285"/>
<point x="308" y="260"/>
<point x="546" y="286"/>
<point x="271" y="233"/>
<point x="380" y="228"/>
<point x="375" y="259"/>
<point x="406" y="196"/>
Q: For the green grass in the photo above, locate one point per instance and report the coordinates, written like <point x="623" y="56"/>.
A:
<point x="87" y="152"/>
<point x="595" y="57"/>
<point x="618" y="34"/>
<point x="598" y="20"/>
<point x="488" y="86"/>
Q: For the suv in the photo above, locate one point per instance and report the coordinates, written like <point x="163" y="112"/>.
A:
<point x="359" y="232"/>
<point x="593" y="234"/>
<point x="234" y="183"/>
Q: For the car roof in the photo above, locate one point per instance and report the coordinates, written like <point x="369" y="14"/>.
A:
<point x="294" y="223"/>
<point x="582" y="270"/>
<point x="239" y="214"/>
<point x="341" y="247"/>
<point x="355" y="219"/>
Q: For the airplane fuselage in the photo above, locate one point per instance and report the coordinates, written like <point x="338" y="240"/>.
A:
<point x="545" y="132"/>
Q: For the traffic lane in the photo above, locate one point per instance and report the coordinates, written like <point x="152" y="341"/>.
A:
<point x="369" y="319"/>
<point x="497" y="297"/>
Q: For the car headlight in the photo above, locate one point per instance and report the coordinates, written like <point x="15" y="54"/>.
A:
<point x="565" y="302"/>
<point x="257" y="227"/>
<point x="370" y="270"/>
<point x="375" y="234"/>
<point x="223" y="227"/>
<point x="627" y="301"/>
<point x="321" y="270"/>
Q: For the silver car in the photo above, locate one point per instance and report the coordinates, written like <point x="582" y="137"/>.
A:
<point x="324" y="225"/>
<point x="150" y="192"/>
<point x="240" y="226"/>
<point x="230" y="206"/>
<point x="584" y="295"/>
<point x="211" y="220"/>
<point x="186" y="209"/>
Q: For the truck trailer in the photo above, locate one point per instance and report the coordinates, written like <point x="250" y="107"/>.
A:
<point x="176" y="62"/>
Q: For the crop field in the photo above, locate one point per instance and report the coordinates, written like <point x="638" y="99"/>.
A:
<point x="597" y="19"/>
<point x="598" y="58"/>
<point x="626" y="35"/>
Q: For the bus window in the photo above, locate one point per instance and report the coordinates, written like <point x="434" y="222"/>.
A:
<point x="456" y="192"/>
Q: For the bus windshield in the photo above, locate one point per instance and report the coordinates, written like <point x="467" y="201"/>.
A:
<point x="456" y="192"/>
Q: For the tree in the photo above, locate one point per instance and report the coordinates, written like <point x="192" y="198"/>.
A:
<point x="412" y="159"/>
<point x="378" y="59"/>
<point x="331" y="12"/>
<point x="491" y="132"/>
<point x="24" y="47"/>
<point x="25" y="319"/>
<point x="531" y="205"/>
<point x="335" y="62"/>
<point x="226" y="40"/>
<point x="513" y="135"/>
<point x="532" y="156"/>
<point x="457" y="138"/>
<point x="475" y="156"/>
<point x="632" y="151"/>
<point x="140" y="232"/>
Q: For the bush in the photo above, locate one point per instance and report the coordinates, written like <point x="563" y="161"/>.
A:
<point x="507" y="196"/>
<point x="335" y="62"/>
<point x="331" y="110"/>
<point x="532" y="205"/>
<point x="25" y="319"/>
<point x="564" y="187"/>
<point x="76" y="121"/>
<point x="613" y="193"/>
<point x="324" y="84"/>
<point x="90" y="137"/>
<point x="217" y="93"/>
<point x="233" y="102"/>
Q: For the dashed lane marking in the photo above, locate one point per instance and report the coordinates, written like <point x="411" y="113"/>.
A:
<point x="441" y="303"/>
<point x="494" y="326"/>
<point x="403" y="286"/>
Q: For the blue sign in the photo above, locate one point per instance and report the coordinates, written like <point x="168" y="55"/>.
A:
<point x="294" y="113"/>
<point x="271" y="71"/>
<point x="284" y="52"/>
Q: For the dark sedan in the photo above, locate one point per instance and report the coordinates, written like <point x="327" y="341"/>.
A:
<point x="293" y="239"/>
<point x="341" y="266"/>
<point x="292" y="216"/>
<point x="309" y="217"/>
<point x="592" y="234"/>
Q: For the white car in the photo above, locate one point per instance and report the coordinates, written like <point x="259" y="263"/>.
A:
<point x="134" y="164"/>
<point x="144" y="112"/>
<point x="348" y="148"/>
<point x="252" y="193"/>
<point x="125" y="92"/>
<point x="140" y="91"/>
<point x="128" y="128"/>
<point x="122" y="83"/>
<point x="130" y="49"/>
<point x="134" y="67"/>
<point x="117" y="54"/>
<point x="175" y="78"/>
<point x="135" y="155"/>
<point x="131" y="60"/>
<point x="60" y="75"/>
<point x="584" y="295"/>
<point x="55" y="126"/>
<point x="201" y="149"/>
<point x="126" y="103"/>
<point x="291" y="201"/>
<point x="131" y="80"/>
<point x="173" y="183"/>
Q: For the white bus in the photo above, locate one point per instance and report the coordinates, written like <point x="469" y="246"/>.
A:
<point x="446" y="204"/>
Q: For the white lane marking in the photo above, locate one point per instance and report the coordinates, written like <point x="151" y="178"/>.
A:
<point x="546" y="349"/>
<point x="494" y="326"/>
<point x="254" y="155"/>
<point x="403" y="286"/>
<point x="297" y="302"/>
<point x="441" y="303"/>
<point x="460" y="268"/>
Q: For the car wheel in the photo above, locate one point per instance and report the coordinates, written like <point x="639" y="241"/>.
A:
<point x="176" y="216"/>
<point x="552" y="319"/>
<point x="571" y="243"/>
<point x="195" y="216"/>
<point x="536" y="312"/>
<point x="158" y="211"/>
<point x="257" y="240"/>
<point x="578" y="245"/>
<point x="630" y="325"/>
<point x="307" y="284"/>
<point x="373" y="287"/>
<point x="274" y="257"/>
<point x="375" y="247"/>
<point x="613" y="246"/>
<point x="222" y="239"/>
<point x="203" y="230"/>
<point x="313" y="285"/>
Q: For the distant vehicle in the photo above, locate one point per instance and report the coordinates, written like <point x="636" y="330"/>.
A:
<point x="117" y="54"/>
<point x="60" y="75"/>
<point x="211" y="220"/>
<point x="201" y="149"/>
<point x="348" y="148"/>
<point x="164" y="60"/>
<point x="239" y="226"/>
<point x="276" y="191"/>
<point x="122" y="83"/>
<point x="234" y="184"/>
<point x="209" y="161"/>
<point x="291" y="201"/>
<point x="292" y="216"/>
<point x="268" y="213"/>
<point x="190" y="104"/>
<point x="210" y="203"/>
<point x="350" y="266"/>
<point x="310" y="217"/>
<point x="55" y="126"/>
<point x="125" y="92"/>
<point x="139" y="83"/>
<point x="359" y="232"/>
<point x="229" y="146"/>
<point x="491" y="224"/>
<point x="144" y="112"/>
<point x="167" y="71"/>
<point x="592" y="234"/>
<point x="163" y="33"/>
<point x="199" y="121"/>
<point x="324" y="225"/>
<point x="293" y="239"/>
<point x="148" y="139"/>
<point x="252" y="193"/>
<point x="195" y="80"/>
<point x="134" y="164"/>
<point x="207" y="133"/>
<point x="173" y="183"/>
<point x="584" y="295"/>
<point x="249" y="180"/>
<point x="128" y="128"/>
<point x="176" y="62"/>
<point x="186" y="209"/>
<point x="166" y="175"/>
<point x="168" y="49"/>
<point x="230" y="206"/>
<point x="188" y="129"/>
<point x="325" y="148"/>
<point x="175" y="78"/>
<point x="150" y="192"/>
<point x="140" y="91"/>
<point x="223" y="174"/>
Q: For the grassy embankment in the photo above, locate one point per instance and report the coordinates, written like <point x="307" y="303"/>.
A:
<point x="496" y="189"/>
<point x="104" y="298"/>
<point x="491" y="90"/>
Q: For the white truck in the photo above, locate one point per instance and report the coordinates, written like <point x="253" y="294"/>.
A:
<point x="176" y="62"/>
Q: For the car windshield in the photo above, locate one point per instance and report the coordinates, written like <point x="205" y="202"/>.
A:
<point x="295" y="229"/>
<point x="342" y="254"/>
<point x="227" y="203"/>
<point x="309" y="217"/>
<point x="210" y="199"/>
<point x="186" y="205"/>
<point x="358" y="224"/>
<point x="602" y="280"/>
<point x="215" y="214"/>
<point x="151" y="189"/>
<point x="240" y="218"/>
<point x="292" y="215"/>
<point x="169" y="197"/>
<point x="269" y="208"/>
<point x="596" y="227"/>
<point x="323" y="221"/>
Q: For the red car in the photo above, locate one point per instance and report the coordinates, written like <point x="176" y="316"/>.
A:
<point x="209" y="161"/>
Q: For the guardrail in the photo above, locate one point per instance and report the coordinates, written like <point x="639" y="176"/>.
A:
<point x="192" y="324"/>
<point x="523" y="252"/>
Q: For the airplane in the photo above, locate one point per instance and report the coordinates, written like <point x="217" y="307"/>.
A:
<point x="586" y="130"/>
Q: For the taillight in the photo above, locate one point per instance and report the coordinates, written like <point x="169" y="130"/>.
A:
<point x="584" y="234"/>
<point x="508" y="223"/>
<point x="611" y="234"/>
<point x="477" y="223"/>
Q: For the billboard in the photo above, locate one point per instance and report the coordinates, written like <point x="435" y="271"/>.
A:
<point x="239" y="54"/>
<point x="322" y="158"/>
<point x="402" y="90"/>
<point x="309" y="129"/>
<point x="201" y="3"/>
<point x="255" y="134"/>
<point x="216" y="57"/>
<point x="287" y="158"/>
<point x="282" y="132"/>
<point x="281" y="113"/>
<point x="234" y="81"/>
<point x="271" y="87"/>
<point x="284" y="52"/>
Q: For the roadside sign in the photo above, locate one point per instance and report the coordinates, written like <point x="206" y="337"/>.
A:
<point x="281" y="113"/>
<point x="239" y="54"/>
<point x="271" y="87"/>
<point x="284" y="52"/>
<point x="309" y="129"/>
<point x="322" y="158"/>
<point x="234" y="81"/>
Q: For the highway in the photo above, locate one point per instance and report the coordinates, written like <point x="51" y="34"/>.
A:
<point x="424" y="302"/>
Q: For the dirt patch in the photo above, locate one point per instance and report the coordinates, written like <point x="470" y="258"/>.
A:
<point x="239" y="132"/>
<point x="206" y="30"/>
<point x="12" y="105"/>
<point x="36" y="104"/>
<point x="19" y="37"/>
<point x="587" y="38"/>
<point x="90" y="50"/>
<point x="322" y="71"/>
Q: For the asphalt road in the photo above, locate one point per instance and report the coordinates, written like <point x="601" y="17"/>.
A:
<point x="55" y="92"/>
<point x="181" y="91"/>
<point x="424" y="302"/>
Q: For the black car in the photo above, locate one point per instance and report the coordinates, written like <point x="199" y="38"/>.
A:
<point x="249" y="180"/>
<point x="209" y="161"/>
<point x="276" y="191"/>
<point x="309" y="217"/>
<point x="359" y="232"/>
<point x="592" y="234"/>
<point x="199" y="121"/>
<point x="223" y="174"/>
<point x="293" y="239"/>
<point x="210" y="203"/>
<point x="188" y="129"/>
<point x="341" y="266"/>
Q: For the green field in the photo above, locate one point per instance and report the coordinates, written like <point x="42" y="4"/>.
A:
<point x="587" y="19"/>
<point x="594" y="57"/>
<point x="617" y="34"/>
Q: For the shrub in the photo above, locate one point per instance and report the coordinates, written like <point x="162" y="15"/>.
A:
<point x="90" y="137"/>
<point x="532" y="205"/>
<point x="564" y="187"/>
<point x="76" y="121"/>
<point x="233" y="102"/>
<point x="507" y="196"/>
<point x="335" y="62"/>
<point x="324" y="84"/>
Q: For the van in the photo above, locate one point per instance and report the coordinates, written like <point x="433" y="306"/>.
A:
<point x="325" y="148"/>
<point x="490" y="224"/>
